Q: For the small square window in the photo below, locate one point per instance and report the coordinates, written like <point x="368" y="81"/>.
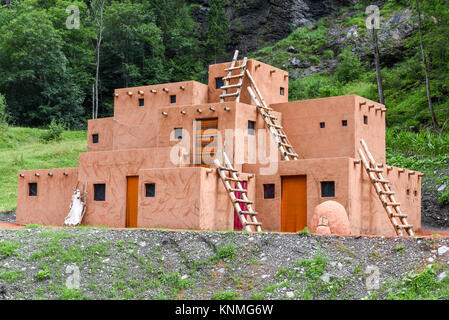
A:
<point x="327" y="189"/>
<point x="268" y="191"/>
<point x="178" y="133"/>
<point x="95" y="138"/>
<point x="141" y="102"/>
<point x="32" y="189"/>
<point x="365" y="119"/>
<point x="173" y="99"/>
<point x="219" y="83"/>
<point x="282" y="91"/>
<point x="99" y="192"/>
<point x="251" y="127"/>
<point x="150" y="190"/>
<point x="344" y="123"/>
<point x="408" y="192"/>
<point x="322" y="125"/>
<point x="415" y="193"/>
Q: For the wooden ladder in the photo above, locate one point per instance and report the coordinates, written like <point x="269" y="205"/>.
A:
<point x="276" y="130"/>
<point x="385" y="193"/>
<point x="227" y="80"/>
<point x="228" y="174"/>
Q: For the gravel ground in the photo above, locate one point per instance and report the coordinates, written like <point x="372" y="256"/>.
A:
<point x="8" y="216"/>
<point x="158" y="264"/>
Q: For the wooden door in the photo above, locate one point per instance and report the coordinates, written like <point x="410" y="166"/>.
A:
<point x="294" y="203"/>
<point x="206" y="143"/>
<point x="132" y="198"/>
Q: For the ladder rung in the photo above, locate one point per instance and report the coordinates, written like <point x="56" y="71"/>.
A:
<point x="269" y="116"/>
<point x="243" y="201"/>
<point x="374" y="170"/>
<point x="228" y="169"/>
<point x="231" y="86"/>
<point x="249" y="212"/>
<point x="275" y="126"/>
<point x="404" y="226"/>
<point x="265" y="108"/>
<point x="387" y="192"/>
<point x="398" y="215"/>
<point x="285" y="145"/>
<point x="232" y="179"/>
<point x="234" y="76"/>
<point x="238" y="190"/>
<point x="393" y="204"/>
<point x="235" y="68"/>
<point x="280" y="135"/>
<point x="230" y="95"/>
<point x="253" y="223"/>
<point x="290" y="154"/>
<point x="381" y="180"/>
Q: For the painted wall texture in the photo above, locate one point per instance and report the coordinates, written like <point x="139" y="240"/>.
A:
<point x="154" y="135"/>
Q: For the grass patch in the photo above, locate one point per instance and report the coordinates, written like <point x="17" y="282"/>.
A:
<point x="11" y="276"/>
<point x="8" y="248"/>
<point x="225" y="295"/>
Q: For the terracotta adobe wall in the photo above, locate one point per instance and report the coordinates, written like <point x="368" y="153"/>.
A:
<point x="54" y="193"/>
<point x="373" y="218"/>
<point x="104" y="128"/>
<point x="353" y="190"/>
<point x="185" y="198"/>
<point x="302" y="124"/>
<point x="236" y="118"/>
<point x="136" y="126"/>
<point x="269" y="82"/>
<point x="112" y="168"/>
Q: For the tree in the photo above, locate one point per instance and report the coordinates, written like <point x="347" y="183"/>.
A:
<point x="426" y="65"/>
<point x="34" y="72"/>
<point x="380" y="88"/>
<point x="218" y="31"/>
<point x="179" y="38"/>
<point x="97" y="12"/>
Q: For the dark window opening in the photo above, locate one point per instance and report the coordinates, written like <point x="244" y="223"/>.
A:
<point x="327" y="189"/>
<point x="322" y="125"/>
<point x="219" y="83"/>
<point x="415" y="193"/>
<point x="251" y="127"/>
<point x="32" y="189"/>
<point x="95" y="138"/>
<point x="344" y="123"/>
<point x="173" y="99"/>
<point x="282" y="91"/>
<point x="99" y="192"/>
<point x="408" y="192"/>
<point x="150" y="189"/>
<point x="178" y="133"/>
<point x="268" y="191"/>
<point x="141" y="102"/>
<point x="365" y="119"/>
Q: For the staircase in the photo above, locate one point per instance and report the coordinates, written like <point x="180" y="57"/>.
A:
<point x="385" y="193"/>
<point x="238" y="195"/>
<point x="276" y="130"/>
<point x="230" y="76"/>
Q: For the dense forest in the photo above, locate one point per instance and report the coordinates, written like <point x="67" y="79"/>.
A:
<point x="52" y="67"/>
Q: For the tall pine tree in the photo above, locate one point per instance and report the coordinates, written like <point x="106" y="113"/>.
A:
<point x="218" y="32"/>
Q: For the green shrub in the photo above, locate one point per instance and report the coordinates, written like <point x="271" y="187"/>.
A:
<point x="54" y="132"/>
<point x="328" y="54"/>
<point x="349" y="67"/>
<point x="43" y="274"/>
<point x="3" y="113"/>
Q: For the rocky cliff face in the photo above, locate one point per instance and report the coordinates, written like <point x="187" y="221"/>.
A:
<point x="257" y="23"/>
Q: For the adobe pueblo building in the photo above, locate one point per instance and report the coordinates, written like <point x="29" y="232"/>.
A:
<point x="230" y="155"/>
